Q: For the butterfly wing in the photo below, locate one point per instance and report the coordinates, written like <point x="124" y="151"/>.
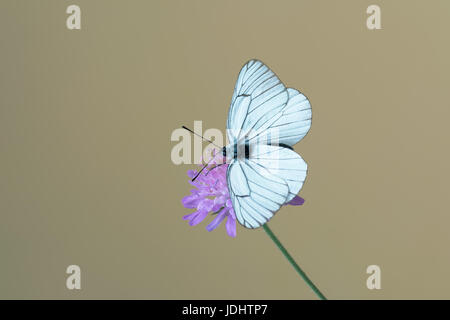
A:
<point x="256" y="193"/>
<point x="260" y="185"/>
<point x="258" y="97"/>
<point x="264" y="112"/>
<point x="290" y="126"/>
<point x="281" y="162"/>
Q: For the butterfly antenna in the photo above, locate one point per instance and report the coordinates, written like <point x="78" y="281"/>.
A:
<point x="214" y="168"/>
<point x="191" y="131"/>
<point x="198" y="173"/>
<point x="201" y="136"/>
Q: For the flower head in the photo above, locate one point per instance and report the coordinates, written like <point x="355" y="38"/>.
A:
<point x="211" y="196"/>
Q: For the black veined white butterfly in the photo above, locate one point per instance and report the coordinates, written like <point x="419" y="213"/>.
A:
<point x="264" y="121"/>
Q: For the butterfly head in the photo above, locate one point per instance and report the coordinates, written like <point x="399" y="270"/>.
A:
<point x="228" y="153"/>
<point x="224" y="152"/>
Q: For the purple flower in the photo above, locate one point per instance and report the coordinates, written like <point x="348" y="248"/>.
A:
<point x="211" y="195"/>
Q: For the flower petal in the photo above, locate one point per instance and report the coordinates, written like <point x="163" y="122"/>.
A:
<point x="191" y="173"/>
<point x="219" y="202"/>
<point x="296" y="201"/>
<point x="190" y="216"/>
<point x="231" y="226"/>
<point x="215" y="223"/>
<point x="191" y="201"/>
<point x="206" y="205"/>
<point x="201" y="214"/>
<point x="216" y="207"/>
<point x="231" y="212"/>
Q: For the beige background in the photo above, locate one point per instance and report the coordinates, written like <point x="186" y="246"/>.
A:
<point x="85" y="170"/>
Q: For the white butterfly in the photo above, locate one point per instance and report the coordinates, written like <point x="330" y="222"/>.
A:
<point x="264" y="121"/>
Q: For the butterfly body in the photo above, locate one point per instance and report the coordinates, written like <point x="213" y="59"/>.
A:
<point x="237" y="151"/>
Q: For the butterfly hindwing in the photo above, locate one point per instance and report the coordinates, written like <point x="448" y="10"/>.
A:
<point x="266" y="193"/>
<point x="281" y="162"/>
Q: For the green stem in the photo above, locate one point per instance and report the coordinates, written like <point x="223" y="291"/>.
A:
<point x="293" y="263"/>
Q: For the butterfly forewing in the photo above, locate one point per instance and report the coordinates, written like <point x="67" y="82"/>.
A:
<point x="267" y="96"/>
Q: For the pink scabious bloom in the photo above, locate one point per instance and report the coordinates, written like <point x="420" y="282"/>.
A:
<point x="211" y="195"/>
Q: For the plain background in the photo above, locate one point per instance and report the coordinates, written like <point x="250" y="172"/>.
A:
<point x="86" y="176"/>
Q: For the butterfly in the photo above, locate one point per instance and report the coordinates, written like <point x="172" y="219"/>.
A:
<point x="264" y="121"/>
